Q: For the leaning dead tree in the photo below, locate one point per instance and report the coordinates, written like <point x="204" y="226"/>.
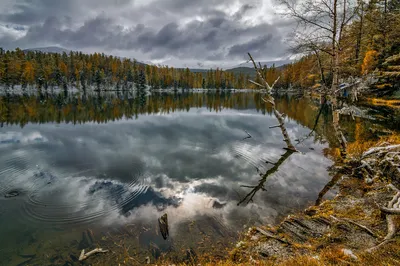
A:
<point x="269" y="99"/>
<point x="290" y="149"/>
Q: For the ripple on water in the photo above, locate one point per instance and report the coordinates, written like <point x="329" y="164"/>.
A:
<point x="244" y="150"/>
<point x="63" y="197"/>
<point x="79" y="199"/>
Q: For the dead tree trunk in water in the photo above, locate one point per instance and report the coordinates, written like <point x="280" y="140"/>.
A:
<point x="271" y="100"/>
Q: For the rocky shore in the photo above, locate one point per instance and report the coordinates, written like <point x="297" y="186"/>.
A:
<point x="357" y="227"/>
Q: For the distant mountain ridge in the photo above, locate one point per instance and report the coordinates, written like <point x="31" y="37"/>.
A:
<point x="50" y="49"/>
<point x="277" y="63"/>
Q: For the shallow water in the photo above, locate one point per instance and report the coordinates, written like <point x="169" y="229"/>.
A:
<point x="115" y="163"/>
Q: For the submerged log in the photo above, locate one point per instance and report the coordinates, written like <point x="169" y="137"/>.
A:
<point x="163" y="224"/>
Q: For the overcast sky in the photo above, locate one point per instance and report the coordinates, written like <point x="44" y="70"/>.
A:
<point x="193" y="33"/>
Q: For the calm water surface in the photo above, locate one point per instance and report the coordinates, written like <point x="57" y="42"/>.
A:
<point x="109" y="165"/>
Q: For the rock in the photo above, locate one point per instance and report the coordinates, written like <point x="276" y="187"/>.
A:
<point x="369" y="181"/>
<point x="218" y="205"/>
<point x="28" y="252"/>
<point x="349" y="253"/>
<point x="310" y="212"/>
<point x="254" y="238"/>
<point x="12" y="194"/>
<point x="240" y="244"/>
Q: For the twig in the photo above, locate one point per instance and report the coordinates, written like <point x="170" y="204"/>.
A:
<point x="84" y="256"/>
<point x="248" y="135"/>
<point x="379" y="245"/>
<point x="256" y="83"/>
<point x="393" y="187"/>
<point x="275" y="126"/>
<point x="390" y="210"/>
<point x="355" y="223"/>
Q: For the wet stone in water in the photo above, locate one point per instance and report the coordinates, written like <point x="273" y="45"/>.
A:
<point x="12" y="194"/>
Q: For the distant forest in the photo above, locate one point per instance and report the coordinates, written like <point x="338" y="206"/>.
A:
<point x="370" y="43"/>
<point x="44" y="70"/>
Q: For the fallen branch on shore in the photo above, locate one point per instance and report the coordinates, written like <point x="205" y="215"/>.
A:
<point x="369" y="231"/>
<point x="271" y="235"/>
<point x="84" y="256"/>
<point x="380" y="149"/>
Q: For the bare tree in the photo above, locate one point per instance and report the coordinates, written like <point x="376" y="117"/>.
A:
<point x="321" y="25"/>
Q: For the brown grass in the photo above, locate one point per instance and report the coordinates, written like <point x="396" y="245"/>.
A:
<point x="357" y="148"/>
<point x="387" y="255"/>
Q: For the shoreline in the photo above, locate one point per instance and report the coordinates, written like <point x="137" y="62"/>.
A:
<point x="350" y="229"/>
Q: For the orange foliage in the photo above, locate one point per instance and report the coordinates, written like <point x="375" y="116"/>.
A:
<point x="369" y="62"/>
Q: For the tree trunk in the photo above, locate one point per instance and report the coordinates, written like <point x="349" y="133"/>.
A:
<point x="335" y="57"/>
<point x="359" y="36"/>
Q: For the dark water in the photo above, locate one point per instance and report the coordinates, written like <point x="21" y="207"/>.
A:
<point x="113" y="163"/>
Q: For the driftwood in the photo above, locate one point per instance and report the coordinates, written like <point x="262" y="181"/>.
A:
<point x="380" y="149"/>
<point x="267" y="234"/>
<point x="84" y="256"/>
<point x="343" y="220"/>
<point x="163" y="224"/>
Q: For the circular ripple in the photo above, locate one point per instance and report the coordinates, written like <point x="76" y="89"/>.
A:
<point x="244" y="151"/>
<point x="64" y="197"/>
<point x="52" y="203"/>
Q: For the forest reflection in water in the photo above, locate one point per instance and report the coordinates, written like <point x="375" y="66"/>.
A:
<point x="185" y="154"/>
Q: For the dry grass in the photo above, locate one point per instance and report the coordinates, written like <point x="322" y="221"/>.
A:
<point x="357" y="148"/>
<point x="387" y="255"/>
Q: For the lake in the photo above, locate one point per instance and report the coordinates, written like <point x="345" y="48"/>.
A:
<point x="80" y="171"/>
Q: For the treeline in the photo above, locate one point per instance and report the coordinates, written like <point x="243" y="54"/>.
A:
<point x="368" y="42"/>
<point x="45" y="70"/>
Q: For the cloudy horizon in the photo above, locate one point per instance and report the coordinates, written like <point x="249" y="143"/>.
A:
<point x="179" y="33"/>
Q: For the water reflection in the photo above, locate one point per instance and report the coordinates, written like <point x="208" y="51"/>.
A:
<point x="185" y="154"/>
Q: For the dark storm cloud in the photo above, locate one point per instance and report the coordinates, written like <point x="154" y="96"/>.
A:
<point x="186" y="29"/>
<point x="243" y="10"/>
<point x="263" y="44"/>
